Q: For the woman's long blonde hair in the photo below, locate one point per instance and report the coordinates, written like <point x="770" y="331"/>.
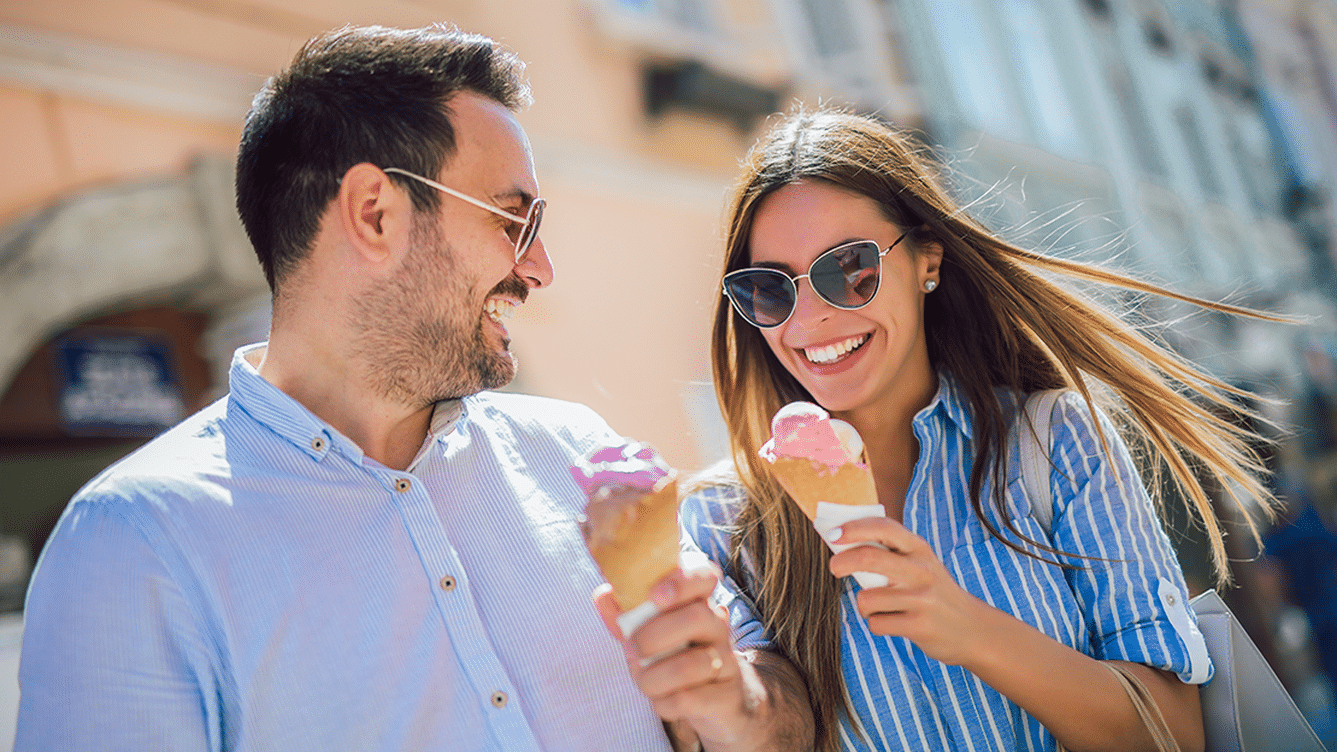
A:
<point x="992" y="322"/>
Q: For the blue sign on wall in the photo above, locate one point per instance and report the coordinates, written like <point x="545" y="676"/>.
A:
<point x="117" y="385"/>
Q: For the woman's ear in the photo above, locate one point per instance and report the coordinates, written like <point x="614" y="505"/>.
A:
<point x="929" y="258"/>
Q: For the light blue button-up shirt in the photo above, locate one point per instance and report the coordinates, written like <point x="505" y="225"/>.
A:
<point x="1126" y="603"/>
<point x="251" y="581"/>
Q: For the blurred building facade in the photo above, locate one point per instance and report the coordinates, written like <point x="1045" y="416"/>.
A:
<point x="126" y="282"/>
<point x="1194" y="142"/>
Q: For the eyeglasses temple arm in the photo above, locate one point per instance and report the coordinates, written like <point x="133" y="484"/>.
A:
<point x="461" y="196"/>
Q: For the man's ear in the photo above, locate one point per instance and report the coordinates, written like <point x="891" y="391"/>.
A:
<point x="376" y="215"/>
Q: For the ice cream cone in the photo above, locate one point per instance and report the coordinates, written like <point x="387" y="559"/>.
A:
<point x="821" y="463"/>
<point x="809" y="482"/>
<point x="636" y="548"/>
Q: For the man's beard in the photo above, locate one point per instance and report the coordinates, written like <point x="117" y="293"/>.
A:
<point x="420" y="336"/>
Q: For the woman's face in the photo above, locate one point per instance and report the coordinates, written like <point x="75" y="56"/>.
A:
<point x="847" y="360"/>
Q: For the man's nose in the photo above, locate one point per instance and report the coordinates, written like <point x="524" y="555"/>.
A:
<point x="536" y="267"/>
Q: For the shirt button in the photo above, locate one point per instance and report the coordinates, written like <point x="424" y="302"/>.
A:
<point x="447" y="583"/>
<point x="1170" y="599"/>
<point x="499" y="699"/>
<point x="318" y="443"/>
<point x="402" y="485"/>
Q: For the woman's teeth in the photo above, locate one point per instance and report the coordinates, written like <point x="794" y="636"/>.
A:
<point x="498" y="309"/>
<point x="832" y="353"/>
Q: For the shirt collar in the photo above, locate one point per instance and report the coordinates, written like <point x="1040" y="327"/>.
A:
<point x="952" y="403"/>
<point x="285" y="416"/>
<point x="446" y="415"/>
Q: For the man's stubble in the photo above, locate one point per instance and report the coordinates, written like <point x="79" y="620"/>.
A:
<point x="419" y="335"/>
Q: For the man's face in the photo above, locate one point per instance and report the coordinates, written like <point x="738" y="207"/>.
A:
<point x="434" y="329"/>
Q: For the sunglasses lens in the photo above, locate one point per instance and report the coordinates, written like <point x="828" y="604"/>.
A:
<point x="764" y="297"/>
<point x="847" y="277"/>
<point x="530" y="230"/>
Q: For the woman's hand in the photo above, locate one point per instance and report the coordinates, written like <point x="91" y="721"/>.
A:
<point x="683" y="660"/>
<point x="1075" y="697"/>
<point x="921" y="601"/>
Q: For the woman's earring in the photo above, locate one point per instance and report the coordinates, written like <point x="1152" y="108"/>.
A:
<point x="931" y="285"/>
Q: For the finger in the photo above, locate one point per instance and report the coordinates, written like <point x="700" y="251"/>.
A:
<point x="695" y="623"/>
<point x="608" y="609"/>
<point x="884" y="530"/>
<point x="683" y="586"/>
<point x="869" y="558"/>
<point x="606" y="605"/>
<point x="689" y="670"/>
<point x="888" y="600"/>
<point x="900" y="624"/>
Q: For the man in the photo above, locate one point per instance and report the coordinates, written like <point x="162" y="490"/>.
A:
<point x="359" y="548"/>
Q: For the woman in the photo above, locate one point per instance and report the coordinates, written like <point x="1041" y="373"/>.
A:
<point x="982" y="640"/>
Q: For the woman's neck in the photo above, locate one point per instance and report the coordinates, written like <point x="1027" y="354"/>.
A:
<point x="889" y="440"/>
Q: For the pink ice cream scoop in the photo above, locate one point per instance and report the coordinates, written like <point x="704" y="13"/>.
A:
<point x="630" y="524"/>
<point x="802" y="429"/>
<point x="633" y="465"/>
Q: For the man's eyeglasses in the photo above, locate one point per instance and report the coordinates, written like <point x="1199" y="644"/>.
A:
<point x="847" y="277"/>
<point x="527" y="226"/>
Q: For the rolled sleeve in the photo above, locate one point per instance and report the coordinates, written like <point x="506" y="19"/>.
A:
<point x="1131" y="589"/>
<point x="706" y="518"/>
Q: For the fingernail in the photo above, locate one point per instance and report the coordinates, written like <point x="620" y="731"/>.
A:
<point x="664" y="593"/>
<point x="833" y="534"/>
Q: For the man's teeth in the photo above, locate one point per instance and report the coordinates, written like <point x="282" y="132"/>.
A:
<point x="498" y="309"/>
<point x="832" y="353"/>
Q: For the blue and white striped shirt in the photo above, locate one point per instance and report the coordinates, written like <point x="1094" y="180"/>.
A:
<point x="251" y="581"/>
<point x="1130" y="607"/>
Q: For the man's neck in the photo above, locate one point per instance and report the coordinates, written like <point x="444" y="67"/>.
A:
<point x="329" y="384"/>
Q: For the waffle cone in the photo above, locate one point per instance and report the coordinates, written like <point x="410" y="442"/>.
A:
<point x="809" y="482"/>
<point x="643" y="550"/>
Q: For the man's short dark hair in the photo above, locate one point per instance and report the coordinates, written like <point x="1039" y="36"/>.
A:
<point x="357" y="94"/>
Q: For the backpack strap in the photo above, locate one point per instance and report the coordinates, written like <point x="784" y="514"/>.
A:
<point x="1034" y="444"/>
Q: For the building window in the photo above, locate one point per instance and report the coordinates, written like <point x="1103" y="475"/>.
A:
<point x="1204" y="169"/>
<point x="975" y="68"/>
<point x="696" y="15"/>
<point x="831" y="27"/>
<point x="1134" y="125"/>
<point x="842" y="50"/>
<point x="1247" y="135"/>
<point x="1137" y="130"/>
<point x="1041" y="80"/>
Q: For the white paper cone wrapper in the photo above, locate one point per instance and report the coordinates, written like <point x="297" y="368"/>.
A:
<point x="831" y="516"/>
<point x="630" y="621"/>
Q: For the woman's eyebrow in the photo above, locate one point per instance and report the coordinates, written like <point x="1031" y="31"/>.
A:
<point x="778" y="266"/>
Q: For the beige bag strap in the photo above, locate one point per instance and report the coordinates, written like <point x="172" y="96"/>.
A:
<point x="1146" y="706"/>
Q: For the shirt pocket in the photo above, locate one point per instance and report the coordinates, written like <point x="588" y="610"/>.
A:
<point x="1031" y="589"/>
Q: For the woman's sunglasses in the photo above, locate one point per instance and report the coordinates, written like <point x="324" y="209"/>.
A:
<point x="846" y="277"/>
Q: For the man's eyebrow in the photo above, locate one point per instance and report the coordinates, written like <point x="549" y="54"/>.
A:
<point x="518" y="195"/>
